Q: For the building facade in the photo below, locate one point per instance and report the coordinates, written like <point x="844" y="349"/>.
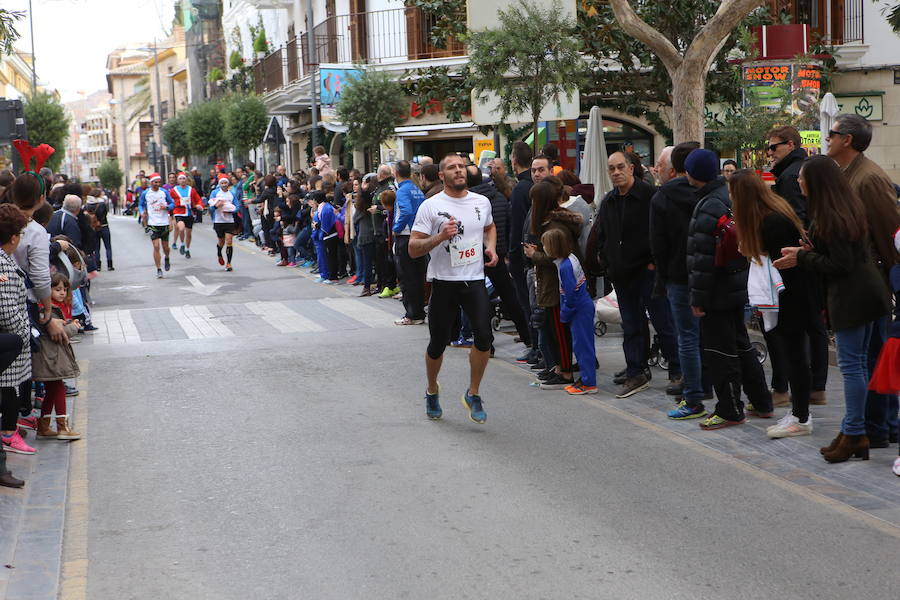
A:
<point x="127" y="77"/>
<point x="867" y="56"/>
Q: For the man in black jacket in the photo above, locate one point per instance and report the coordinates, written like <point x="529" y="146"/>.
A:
<point x="623" y="249"/>
<point x="498" y="274"/>
<point x="787" y="157"/>
<point x="519" y="205"/>
<point x="717" y="276"/>
<point x="670" y="214"/>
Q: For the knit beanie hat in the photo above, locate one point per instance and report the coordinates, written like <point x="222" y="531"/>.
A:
<point x="702" y="165"/>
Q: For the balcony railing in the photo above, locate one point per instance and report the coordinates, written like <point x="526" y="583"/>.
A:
<point x="376" y="37"/>
<point x="268" y="74"/>
<point x="845" y="17"/>
<point x="853" y="22"/>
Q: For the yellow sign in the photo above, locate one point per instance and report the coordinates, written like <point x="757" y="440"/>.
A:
<point x="811" y="138"/>
<point x="811" y="141"/>
<point x="481" y="146"/>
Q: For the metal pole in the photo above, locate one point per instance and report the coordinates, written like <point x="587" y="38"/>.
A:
<point x="313" y="78"/>
<point x="158" y="120"/>
<point x="33" y="71"/>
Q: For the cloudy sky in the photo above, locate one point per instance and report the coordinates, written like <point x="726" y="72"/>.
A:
<point x="72" y="38"/>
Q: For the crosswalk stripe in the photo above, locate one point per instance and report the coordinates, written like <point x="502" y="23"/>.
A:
<point x="283" y="318"/>
<point x="199" y="323"/>
<point x="359" y="311"/>
<point x="114" y="327"/>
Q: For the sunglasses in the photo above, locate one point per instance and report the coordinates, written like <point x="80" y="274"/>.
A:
<point x="774" y="147"/>
<point x="832" y="133"/>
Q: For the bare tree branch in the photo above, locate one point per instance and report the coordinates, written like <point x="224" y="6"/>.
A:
<point x="709" y="39"/>
<point x="637" y="27"/>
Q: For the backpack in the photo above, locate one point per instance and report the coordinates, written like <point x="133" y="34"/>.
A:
<point x="726" y="241"/>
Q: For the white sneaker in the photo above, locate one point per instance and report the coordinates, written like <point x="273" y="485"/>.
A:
<point x="790" y="428"/>
<point x="896" y="468"/>
<point x="787" y="418"/>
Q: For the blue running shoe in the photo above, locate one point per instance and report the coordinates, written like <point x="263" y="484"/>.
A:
<point x="683" y="412"/>
<point x="432" y="405"/>
<point x="474" y="406"/>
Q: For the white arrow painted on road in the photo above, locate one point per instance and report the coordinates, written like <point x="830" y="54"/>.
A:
<point x="201" y="288"/>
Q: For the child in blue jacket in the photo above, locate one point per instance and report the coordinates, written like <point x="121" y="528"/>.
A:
<point x="575" y="307"/>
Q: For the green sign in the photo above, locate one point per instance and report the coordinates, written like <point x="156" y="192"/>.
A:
<point x="867" y="106"/>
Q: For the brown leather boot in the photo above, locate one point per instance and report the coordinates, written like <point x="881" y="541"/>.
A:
<point x="62" y="429"/>
<point x="43" y="429"/>
<point x="818" y="398"/>
<point x="780" y="399"/>
<point x="856" y="446"/>
<point x="830" y="447"/>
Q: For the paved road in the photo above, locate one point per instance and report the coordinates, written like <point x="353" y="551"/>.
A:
<point x="268" y="441"/>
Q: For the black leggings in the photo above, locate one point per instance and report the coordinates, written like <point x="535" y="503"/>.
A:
<point x="447" y="297"/>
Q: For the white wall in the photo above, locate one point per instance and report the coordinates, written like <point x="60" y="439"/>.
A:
<point x="880" y="45"/>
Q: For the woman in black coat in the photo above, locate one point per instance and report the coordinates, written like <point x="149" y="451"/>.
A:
<point x="857" y="294"/>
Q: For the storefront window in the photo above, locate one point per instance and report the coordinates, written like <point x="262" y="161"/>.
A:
<point x="620" y="136"/>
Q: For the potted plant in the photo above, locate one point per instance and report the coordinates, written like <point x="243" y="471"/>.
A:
<point x="235" y="60"/>
<point x="216" y="75"/>
<point x="260" y="45"/>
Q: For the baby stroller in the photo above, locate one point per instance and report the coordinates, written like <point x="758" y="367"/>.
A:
<point x="606" y="310"/>
<point x="497" y="314"/>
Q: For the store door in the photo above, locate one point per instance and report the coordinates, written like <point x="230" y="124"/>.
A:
<point x="438" y="149"/>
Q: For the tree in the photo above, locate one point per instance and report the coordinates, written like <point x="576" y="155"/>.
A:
<point x="628" y="77"/>
<point x="246" y="119"/>
<point x="205" y="126"/>
<point x="109" y="174"/>
<point x="8" y="32"/>
<point x="530" y="60"/>
<point x="687" y="67"/>
<point x="47" y="123"/>
<point x="371" y="106"/>
<point x="174" y="134"/>
<point x="138" y="103"/>
<point x="893" y="18"/>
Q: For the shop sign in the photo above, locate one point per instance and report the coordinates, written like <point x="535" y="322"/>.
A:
<point x="769" y="83"/>
<point x="868" y="107"/>
<point x="811" y="141"/>
<point x="482" y="145"/>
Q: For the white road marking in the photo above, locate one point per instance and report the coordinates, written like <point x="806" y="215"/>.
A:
<point x="359" y="310"/>
<point x="283" y="318"/>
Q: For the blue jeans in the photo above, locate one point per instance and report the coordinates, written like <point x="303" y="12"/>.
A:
<point x="248" y="223"/>
<point x="365" y="254"/>
<point x="881" y="409"/>
<point x="301" y="244"/>
<point x="635" y="301"/>
<point x="687" y="329"/>
<point x="852" y="357"/>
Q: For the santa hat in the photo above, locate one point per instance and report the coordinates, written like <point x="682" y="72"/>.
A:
<point x="155" y="176"/>
<point x="182" y="174"/>
<point x="224" y="177"/>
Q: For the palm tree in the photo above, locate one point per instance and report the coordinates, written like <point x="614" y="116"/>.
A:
<point x="138" y="104"/>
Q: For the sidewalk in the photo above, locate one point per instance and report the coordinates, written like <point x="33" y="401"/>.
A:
<point x="32" y="520"/>
<point x="868" y="486"/>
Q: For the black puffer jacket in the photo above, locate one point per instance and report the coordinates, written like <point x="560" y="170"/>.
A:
<point x="670" y="215"/>
<point x="713" y="288"/>
<point x="499" y="212"/>
<point x="786" y="185"/>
